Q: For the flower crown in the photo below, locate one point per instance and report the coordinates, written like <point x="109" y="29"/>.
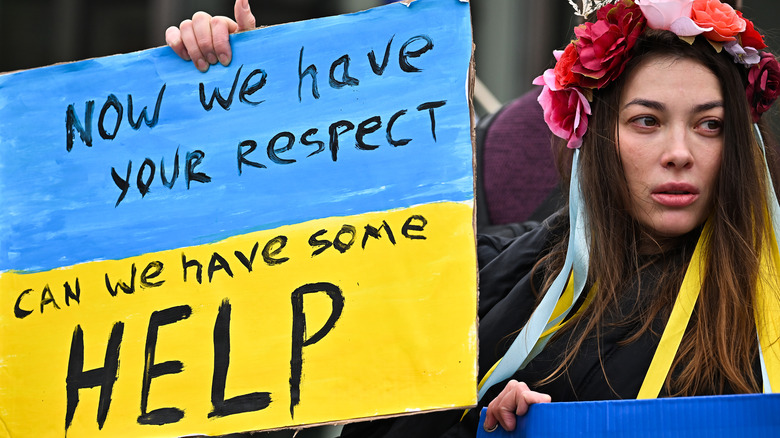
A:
<point x="602" y="48"/>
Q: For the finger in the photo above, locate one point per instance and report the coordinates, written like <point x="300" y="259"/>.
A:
<point x="201" y="26"/>
<point x="221" y="28"/>
<point x="530" y="398"/>
<point x="173" y="39"/>
<point x="501" y="410"/>
<point x="506" y="415"/>
<point x="533" y="397"/>
<point x="244" y="17"/>
<point x="191" y="45"/>
<point x="491" y="421"/>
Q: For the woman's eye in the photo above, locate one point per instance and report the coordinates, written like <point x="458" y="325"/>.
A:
<point x="711" y="126"/>
<point x="645" y="121"/>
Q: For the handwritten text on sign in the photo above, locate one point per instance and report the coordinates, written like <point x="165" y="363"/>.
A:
<point x="284" y="241"/>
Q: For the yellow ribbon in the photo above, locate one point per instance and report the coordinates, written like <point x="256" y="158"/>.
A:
<point x="767" y="315"/>
<point x="675" y="327"/>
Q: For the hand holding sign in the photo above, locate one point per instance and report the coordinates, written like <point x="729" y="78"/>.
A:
<point x="204" y="39"/>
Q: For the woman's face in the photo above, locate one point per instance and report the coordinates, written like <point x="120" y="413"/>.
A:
<point x="670" y="141"/>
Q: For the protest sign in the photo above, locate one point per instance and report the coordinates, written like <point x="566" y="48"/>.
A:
<point x="720" y="416"/>
<point x="284" y="241"/>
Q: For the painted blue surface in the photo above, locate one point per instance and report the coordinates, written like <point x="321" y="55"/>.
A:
<point x="751" y="415"/>
<point x="59" y="208"/>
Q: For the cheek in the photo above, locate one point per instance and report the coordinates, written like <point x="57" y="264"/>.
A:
<point x="711" y="167"/>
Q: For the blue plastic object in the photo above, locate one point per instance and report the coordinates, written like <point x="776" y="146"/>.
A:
<point x="752" y="415"/>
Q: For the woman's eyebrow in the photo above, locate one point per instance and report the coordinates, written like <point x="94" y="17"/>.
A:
<point x="708" y="106"/>
<point x="652" y="104"/>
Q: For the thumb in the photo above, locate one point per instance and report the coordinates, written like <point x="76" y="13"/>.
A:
<point x="244" y="17"/>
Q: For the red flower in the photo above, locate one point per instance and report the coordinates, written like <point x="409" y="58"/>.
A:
<point x="751" y="37"/>
<point x="603" y="46"/>
<point x="564" y="77"/>
<point x="721" y="17"/>
<point x="763" y="85"/>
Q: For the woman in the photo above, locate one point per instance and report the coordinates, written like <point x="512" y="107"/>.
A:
<point x="670" y="200"/>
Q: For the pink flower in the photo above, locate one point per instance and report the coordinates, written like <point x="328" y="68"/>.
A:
<point x="566" y="110"/>
<point x="673" y="15"/>
<point x="726" y="24"/>
<point x="763" y="85"/>
<point x="603" y="46"/>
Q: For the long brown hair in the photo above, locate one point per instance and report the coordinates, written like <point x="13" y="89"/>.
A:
<point x="720" y="345"/>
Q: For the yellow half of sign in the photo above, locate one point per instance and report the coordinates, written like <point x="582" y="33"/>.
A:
<point x="329" y="320"/>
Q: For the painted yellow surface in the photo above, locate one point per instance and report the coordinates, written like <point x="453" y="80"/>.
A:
<point x="405" y="340"/>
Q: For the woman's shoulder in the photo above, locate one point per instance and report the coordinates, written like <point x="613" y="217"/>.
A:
<point x="497" y="247"/>
<point x="507" y="265"/>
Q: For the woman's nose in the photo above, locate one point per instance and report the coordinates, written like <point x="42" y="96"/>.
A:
<point x="677" y="152"/>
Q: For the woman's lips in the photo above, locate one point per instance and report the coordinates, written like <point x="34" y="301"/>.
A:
<point x="675" y="195"/>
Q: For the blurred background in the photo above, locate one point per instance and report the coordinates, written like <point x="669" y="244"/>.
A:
<point x="514" y="40"/>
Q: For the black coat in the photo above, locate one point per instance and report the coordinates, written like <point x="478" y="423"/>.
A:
<point x="507" y="298"/>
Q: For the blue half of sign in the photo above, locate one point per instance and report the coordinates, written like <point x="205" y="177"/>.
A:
<point x="119" y="156"/>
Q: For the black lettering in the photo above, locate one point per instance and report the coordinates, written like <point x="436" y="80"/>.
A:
<point x="47" y="297"/>
<point x="270" y="253"/>
<point x="341" y="246"/>
<point x="153" y="370"/>
<point x="70" y="295"/>
<point x="186" y="264"/>
<point x="242" y="155"/>
<point x="18" y="311"/>
<point x="243" y="403"/>
<point x="335" y="133"/>
<point x="111" y="102"/>
<point x="150" y="272"/>
<point x="273" y="151"/>
<point x="367" y="127"/>
<point x="346" y="79"/>
<point x="374" y="232"/>
<point x="194" y="158"/>
<point x="404" y="54"/>
<point x="431" y="106"/>
<point x="123" y="184"/>
<point x="390" y="124"/>
<point x="104" y="377"/>
<point x="143" y="116"/>
<point x="122" y="285"/>
<point x="165" y="181"/>
<point x="72" y="121"/>
<point x="299" y="332"/>
<point x="409" y="226"/>
<point x="216" y="263"/>
<point x="380" y="69"/>
<point x="250" y="261"/>
<point x="323" y="244"/>
<point x="216" y="94"/>
<point x="247" y="90"/>
<point x="311" y="70"/>
<point x="143" y="186"/>
<point x="306" y="142"/>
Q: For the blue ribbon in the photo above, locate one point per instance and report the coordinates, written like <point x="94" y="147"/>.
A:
<point x="774" y="214"/>
<point x="528" y="343"/>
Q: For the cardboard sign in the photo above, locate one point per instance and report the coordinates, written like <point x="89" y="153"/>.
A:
<point x="726" y="416"/>
<point x="285" y="241"/>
